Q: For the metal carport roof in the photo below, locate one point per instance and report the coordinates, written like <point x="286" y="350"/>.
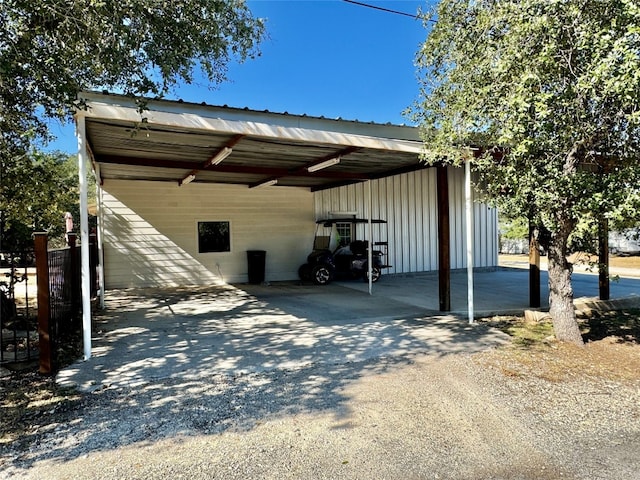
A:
<point x="172" y="140"/>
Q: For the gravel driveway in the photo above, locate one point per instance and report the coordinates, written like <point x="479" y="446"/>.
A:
<point x="452" y="417"/>
<point x="397" y="409"/>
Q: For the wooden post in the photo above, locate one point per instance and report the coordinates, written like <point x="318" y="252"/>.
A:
<point x="444" y="246"/>
<point x="44" y="328"/>
<point x="603" y="258"/>
<point x="534" y="267"/>
<point x="74" y="268"/>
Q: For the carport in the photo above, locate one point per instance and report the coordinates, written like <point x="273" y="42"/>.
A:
<point x="183" y="143"/>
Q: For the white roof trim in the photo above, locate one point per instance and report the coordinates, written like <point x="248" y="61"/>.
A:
<point x="252" y="123"/>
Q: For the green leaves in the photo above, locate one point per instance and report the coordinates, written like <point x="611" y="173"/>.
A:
<point x="35" y="192"/>
<point x="554" y="84"/>
<point x="50" y="51"/>
<point x="551" y="90"/>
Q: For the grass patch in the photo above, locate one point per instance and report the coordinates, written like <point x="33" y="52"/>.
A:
<point x="623" y="325"/>
<point x="524" y="334"/>
<point x="611" y="351"/>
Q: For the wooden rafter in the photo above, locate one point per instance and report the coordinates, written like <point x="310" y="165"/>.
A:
<point x="239" y="169"/>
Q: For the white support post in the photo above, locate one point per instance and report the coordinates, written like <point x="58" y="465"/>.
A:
<point x="370" y="249"/>
<point x="100" y="233"/>
<point x="469" y="226"/>
<point x="83" y="159"/>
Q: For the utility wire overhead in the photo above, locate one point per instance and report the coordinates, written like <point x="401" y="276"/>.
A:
<point x="388" y="10"/>
<point x="397" y="12"/>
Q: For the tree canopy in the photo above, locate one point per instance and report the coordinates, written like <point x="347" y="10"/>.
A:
<point x="547" y="91"/>
<point x="52" y="50"/>
<point x="40" y="191"/>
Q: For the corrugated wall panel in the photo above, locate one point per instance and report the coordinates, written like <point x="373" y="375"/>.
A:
<point x="396" y="225"/>
<point x="408" y="203"/>
<point x="457" y="218"/>
<point x="431" y="205"/>
<point x="417" y="238"/>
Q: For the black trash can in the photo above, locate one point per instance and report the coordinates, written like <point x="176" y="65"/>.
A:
<point x="256" y="260"/>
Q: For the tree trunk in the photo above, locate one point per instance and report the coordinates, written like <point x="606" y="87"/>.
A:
<point x="565" y="323"/>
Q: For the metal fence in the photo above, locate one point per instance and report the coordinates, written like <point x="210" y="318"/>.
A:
<point x="60" y="299"/>
<point x="41" y="302"/>
<point x="18" y="320"/>
<point x="64" y="291"/>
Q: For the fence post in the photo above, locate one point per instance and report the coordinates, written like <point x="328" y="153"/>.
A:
<point x="74" y="268"/>
<point x="45" y="341"/>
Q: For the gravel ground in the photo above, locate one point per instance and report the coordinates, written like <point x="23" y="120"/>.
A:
<point x="453" y="417"/>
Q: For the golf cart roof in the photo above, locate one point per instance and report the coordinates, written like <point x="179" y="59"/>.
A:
<point x="332" y="221"/>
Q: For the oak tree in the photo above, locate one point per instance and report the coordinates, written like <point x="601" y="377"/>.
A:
<point x="548" y="93"/>
<point x="40" y="191"/>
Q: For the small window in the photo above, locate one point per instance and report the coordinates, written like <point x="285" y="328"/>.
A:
<point x="214" y="237"/>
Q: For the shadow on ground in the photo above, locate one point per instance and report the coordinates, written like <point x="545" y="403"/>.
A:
<point x="151" y="335"/>
<point x="183" y="362"/>
<point x="623" y="325"/>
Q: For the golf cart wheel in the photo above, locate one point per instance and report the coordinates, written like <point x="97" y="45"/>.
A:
<point x="304" y="272"/>
<point x="321" y="275"/>
<point x="376" y="273"/>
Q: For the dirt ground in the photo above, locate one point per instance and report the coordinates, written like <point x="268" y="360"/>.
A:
<point x="582" y="403"/>
<point x="526" y="410"/>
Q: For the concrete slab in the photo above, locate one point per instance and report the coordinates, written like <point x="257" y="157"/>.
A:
<point x="501" y="291"/>
<point x="146" y="335"/>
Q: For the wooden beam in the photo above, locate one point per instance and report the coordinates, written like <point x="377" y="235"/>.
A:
<point x="534" y="267"/>
<point x="375" y="176"/>
<point x="304" y="172"/>
<point x="212" y="161"/>
<point x="444" y="245"/>
<point x="341" y="153"/>
<point x="232" y="143"/>
<point x="228" y="168"/>
<point x="603" y="258"/>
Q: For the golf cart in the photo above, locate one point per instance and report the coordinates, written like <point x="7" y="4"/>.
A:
<point x="338" y="253"/>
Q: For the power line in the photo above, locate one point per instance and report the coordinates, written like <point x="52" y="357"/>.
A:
<point x="388" y="10"/>
<point x="397" y="12"/>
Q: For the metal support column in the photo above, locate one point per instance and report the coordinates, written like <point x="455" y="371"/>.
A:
<point x="469" y="220"/>
<point x="370" y="249"/>
<point x="100" y="233"/>
<point x="84" y="235"/>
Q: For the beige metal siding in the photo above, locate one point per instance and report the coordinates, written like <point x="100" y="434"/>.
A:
<point x="485" y="227"/>
<point x="408" y="203"/>
<point x="151" y="232"/>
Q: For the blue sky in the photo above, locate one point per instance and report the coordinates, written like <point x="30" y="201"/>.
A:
<point x="322" y="58"/>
